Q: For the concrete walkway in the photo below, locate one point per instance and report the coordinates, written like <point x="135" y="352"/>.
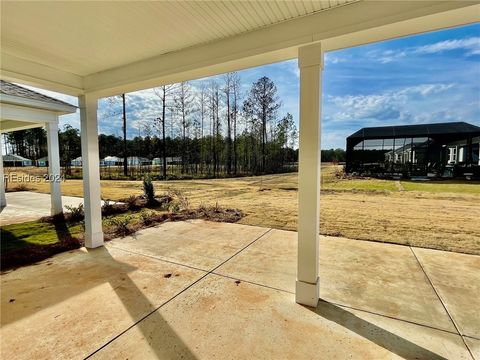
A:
<point x="25" y="206"/>
<point x="209" y="290"/>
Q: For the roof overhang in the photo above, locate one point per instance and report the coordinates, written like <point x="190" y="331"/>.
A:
<point x="59" y="109"/>
<point x="18" y="113"/>
<point x="354" y="24"/>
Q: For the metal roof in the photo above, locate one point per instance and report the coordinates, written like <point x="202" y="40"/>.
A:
<point x="14" y="157"/>
<point x="423" y="130"/>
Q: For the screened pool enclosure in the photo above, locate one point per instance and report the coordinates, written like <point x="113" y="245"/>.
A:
<point x="433" y="150"/>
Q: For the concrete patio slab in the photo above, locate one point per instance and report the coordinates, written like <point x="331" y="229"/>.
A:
<point x="119" y="303"/>
<point x="218" y="318"/>
<point x="202" y="245"/>
<point x="25" y="206"/>
<point x="474" y="345"/>
<point x="74" y="303"/>
<point x="456" y="278"/>
<point x="382" y="278"/>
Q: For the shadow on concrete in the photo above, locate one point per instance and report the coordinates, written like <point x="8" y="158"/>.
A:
<point x="382" y="337"/>
<point x="162" y="339"/>
<point x="17" y="252"/>
<point x="82" y="271"/>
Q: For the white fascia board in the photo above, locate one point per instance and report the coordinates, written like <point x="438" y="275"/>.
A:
<point x="17" y="128"/>
<point x="60" y="109"/>
<point x="453" y="17"/>
<point x="26" y="114"/>
<point x="15" y="69"/>
<point x="146" y="75"/>
<point x="349" y="25"/>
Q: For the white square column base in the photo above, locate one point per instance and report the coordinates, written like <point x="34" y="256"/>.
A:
<point x="307" y="293"/>
<point x="94" y="240"/>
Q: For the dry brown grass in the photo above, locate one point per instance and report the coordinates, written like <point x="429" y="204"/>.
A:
<point x="359" y="209"/>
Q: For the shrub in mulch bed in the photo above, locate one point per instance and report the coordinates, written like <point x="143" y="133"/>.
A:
<point x="139" y="202"/>
<point x="211" y="213"/>
<point x="126" y="225"/>
<point x="175" y="205"/>
<point x="219" y="214"/>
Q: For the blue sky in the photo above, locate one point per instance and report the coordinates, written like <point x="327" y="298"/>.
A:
<point x="433" y="77"/>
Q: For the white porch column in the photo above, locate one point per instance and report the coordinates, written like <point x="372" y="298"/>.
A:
<point x="54" y="168"/>
<point x="3" y="200"/>
<point x="310" y="62"/>
<point x="91" y="171"/>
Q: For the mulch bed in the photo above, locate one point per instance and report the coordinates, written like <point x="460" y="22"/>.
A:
<point x="34" y="253"/>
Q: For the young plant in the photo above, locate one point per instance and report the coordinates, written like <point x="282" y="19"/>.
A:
<point x="121" y="224"/>
<point x="148" y="189"/>
<point x="180" y="201"/>
<point x="147" y="217"/>
<point x="107" y="208"/>
<point x="76" y="212"/>
<point x="131" y="202"/>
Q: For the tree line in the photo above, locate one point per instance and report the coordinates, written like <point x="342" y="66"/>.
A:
<point x="214" y="130"/>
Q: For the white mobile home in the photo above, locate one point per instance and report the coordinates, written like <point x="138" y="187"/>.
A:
<point x="138" y="161"/>
<point x="12" y="160"/>
<point x="112" y="161"/>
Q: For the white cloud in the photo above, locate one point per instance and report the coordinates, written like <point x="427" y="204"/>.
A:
<point x="334" y="59"/>
<point x="394" y="106"/>
<point x="470" y="45"/>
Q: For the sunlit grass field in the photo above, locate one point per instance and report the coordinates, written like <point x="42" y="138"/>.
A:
<point x="441" y="215"/>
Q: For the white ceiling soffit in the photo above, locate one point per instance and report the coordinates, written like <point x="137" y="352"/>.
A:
<point x="115" y="47"/>
<point x="89" y="37"/>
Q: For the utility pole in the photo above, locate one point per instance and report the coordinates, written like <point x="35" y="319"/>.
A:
<point x="125" y="166"/>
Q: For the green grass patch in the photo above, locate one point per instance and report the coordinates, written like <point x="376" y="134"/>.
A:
<point x="361" y="184"/>
<point x="446" y="186"/>
<point x="19" y="236"/>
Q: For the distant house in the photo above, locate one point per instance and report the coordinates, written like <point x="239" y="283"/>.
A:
<point x="112" y="161"/>
<point x="441" y="149"/>
<point x="170" y="160"/>
<point x="76" y="162"/>
<point x="42" y="162"/>
<point x="12" y="160"/>
<point x="138" y="161"/>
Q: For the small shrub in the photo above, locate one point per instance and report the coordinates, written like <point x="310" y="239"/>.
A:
<point x="122" y="224"/>
<point x="164" y="200"/>
<point x="179" y="201"/>
<point x="131" y="202"/>
<point x="147" y="217"/>
<point x="107" y="207"/>
<point x="148" y="189"/>
<point x="76" y="213"/>
<point x="202" y="208"/>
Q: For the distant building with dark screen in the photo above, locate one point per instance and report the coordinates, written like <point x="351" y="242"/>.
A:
<point x="433" y="150"/>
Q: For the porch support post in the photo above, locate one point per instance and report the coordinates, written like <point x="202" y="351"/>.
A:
<point x="3" y="199"/>
<point x="310" y="62"/>
<point x="54" y="168"/>
<point x="91" y="171"/>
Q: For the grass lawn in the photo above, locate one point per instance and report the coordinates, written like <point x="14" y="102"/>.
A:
<point x="440" y="215"/>
<point x="30" y="233"/>
<point x="447" y="186"/>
